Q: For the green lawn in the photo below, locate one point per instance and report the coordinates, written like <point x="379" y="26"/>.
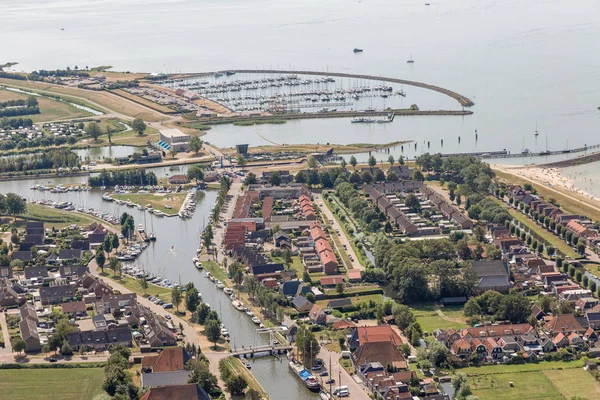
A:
<point x="54" y="217"/>
<point x="556" y="241"/>
<point x="512" y="369"/>
<point x="216" y="271"/>
<point x="134" y="285"/>
<point x="430" y="320"/>
<point x="52" y="384"/>
<point x="527" y="385"/>
<point x="574" y="382"/>
<point x="377" y="298"/>
<point x="50" y="110"/>
<point x="158" y="201"/>
<point x="296" y="264"/>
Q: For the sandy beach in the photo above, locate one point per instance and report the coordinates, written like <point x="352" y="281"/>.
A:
<point x="552" y="177"/>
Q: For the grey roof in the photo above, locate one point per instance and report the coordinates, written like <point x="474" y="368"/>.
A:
<point x="493" y="281"/>
<point x="164" y="378"/>
<point x="301" y="302"/>
<point x="490" y="268"/>
<point x="36" y="272"/>
<point x="21" y="255"/>
<point x="335" y="303"/>
<point x="70" y="253"/>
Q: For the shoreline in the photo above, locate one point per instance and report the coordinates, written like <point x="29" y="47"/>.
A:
<point x="550" y="177"/>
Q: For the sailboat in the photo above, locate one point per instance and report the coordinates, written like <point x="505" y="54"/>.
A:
<point x="545" y="152"/>
<point x="536" y="133"/>
<point x="151" y="235"/>
<point x="410" y="60"/>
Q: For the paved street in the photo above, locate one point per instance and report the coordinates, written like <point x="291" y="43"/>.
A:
<point x="356" y="390"/>
<point x="7" y="350"/>
<point x="345" y="240"/>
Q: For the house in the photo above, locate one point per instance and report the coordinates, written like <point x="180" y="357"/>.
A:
<point x="494" y="349"/>
<point x="157" y="332"/>
<point x="331" y="281"/>
<point x="293" y="288"/>
<point x="593" y="319"/>
<point x="34" y="239"/>
<point x="264" y="269"/>
<point x="35" y="228"/>
<point x="339" y="303"/>
<point x="39" y="272"/>
<point x="6" y="272"/>
<point x="30" y="335"/>
<point x="576" y="341"/>
<point x="343" y="324"/>
<point x="461" y="348"/>
<point x="24" y="256"/>
<point x="8" y="296"/>
<point x="27" y="311"/>
<point x="385" y="353"/>
<point x="301" y="304"/>
<point x="178" y="180"/>
<point x="176" y="392"/>
<point x="493" y="275"/>
<point x="354" y="275"/>
<point x="590" y="335"/>
<point x="100" y="339"/>
<point x="281" y="238"/>
<point x="560" y="340"/>
<point x="563" y="323"/>
<point x="70" y="254"/>
<point x="73" y="272"/>
<point x="165" y="368"/>
<point x="80" y="244"/>
<point x="316" y="315"/>
<point x="56" y="294"/>
<point x="74" y="309"/>
<point x="112" y="303"/>
<point x="373" y="334"/>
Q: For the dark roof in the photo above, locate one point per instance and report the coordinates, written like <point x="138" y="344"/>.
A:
<point x="490" y="268"/>
<point x="100" y="338"/>
<point x="36" y="239"/>
<point x="69" y="254"/>
<point x="21" y="255"/>
<point x="301" y="302"/>
<point x="57" y="292"/>
<point x="267" y="269"/>
<point x="290" y="288"/>
<point x="36" y="272"/>
<point x="80" y="244"/>
<point x="6" y="272"/>
<point x="73" y="270"/>
<point x="336" y="303"/>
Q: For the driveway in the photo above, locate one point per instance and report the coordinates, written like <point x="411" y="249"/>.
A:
<point x="6" y="352"/>
<point x="356" y="390"/>
<point x="343" y="238"/>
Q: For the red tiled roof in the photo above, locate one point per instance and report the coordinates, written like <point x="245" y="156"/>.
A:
<point x="381" y="333"/>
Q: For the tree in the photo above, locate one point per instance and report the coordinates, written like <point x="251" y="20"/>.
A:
<point x="195" y="144"/>
<point x="312" y="162"/>
<point x="176" y="297"/>
<point x="139" y="126"/>
<point x="114" y="265"/>
<point x="93" y="130"/>
<point x="143" y="284"/>
<point x="236" y="384"/>
<point x="515" y="308"/>
<point x="339" y="288"/>
<point x="379" y="176"/>
<point x="251" y="179"/>
<point x="212" y="330"/>
<point x="54" y="342"/>
<point x="100" y="258"/>
<point x="276" y="179"/>
<point x="581" y="247"/>
<point x="308" y="347"/>
<point x="195" y="172"/>
<point x="66" y="350"/>
<point x="14" y="204"/>
<point x="391" y="160"/>
<point x="18" y="345"/>
<point x="353" y="162"/>
<point x="173" y="152"/>
<point x="372" y="161"/>
<point x="241" y="161"/>
<point x="192" y="299"/>
<point x="413" y="203"/>
<point x="403" y="316"/>
<point x="343" y="163"/>
<point x="109" y="134"/>
<point x="472" y="308"/>
<point x="418" y="176"/>
<point x="201" y="312"/>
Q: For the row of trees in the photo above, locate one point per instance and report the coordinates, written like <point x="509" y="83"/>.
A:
<point x="52" y="159"/>
<point x="118" y="381"/>
<point x="14" y="108"/>
<point x="131" y="177"/>
<point x="44" y="141"/>
<point x="16" y="122"/>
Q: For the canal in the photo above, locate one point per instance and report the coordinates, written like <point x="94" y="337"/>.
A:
<point x="171" y="257"/>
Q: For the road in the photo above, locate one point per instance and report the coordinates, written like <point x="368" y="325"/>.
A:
<point x="343" y="238"/>
<point x="5" y="352"/>
<point x="356" y="390"/>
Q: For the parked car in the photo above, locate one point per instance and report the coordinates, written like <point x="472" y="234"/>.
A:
<point x="330" y="381"/>
<point x="317" y="367"/>
<point x="324" y="373"/>
<point x="52" y="359"/>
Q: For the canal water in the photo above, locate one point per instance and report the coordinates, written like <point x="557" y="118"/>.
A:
<point x="171" y="257"/>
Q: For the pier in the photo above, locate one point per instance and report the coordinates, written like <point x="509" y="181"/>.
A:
<point x="261" y="351"/>
<point x="540" y="154"/>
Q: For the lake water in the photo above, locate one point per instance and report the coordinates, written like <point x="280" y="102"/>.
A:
<point x="520" y="62"/>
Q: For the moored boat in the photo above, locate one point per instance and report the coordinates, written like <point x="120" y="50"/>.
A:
<point x="303" y="374"/>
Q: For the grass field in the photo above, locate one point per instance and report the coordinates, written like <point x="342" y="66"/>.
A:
<point x="556" y="241"/>
<point x="50" y="110"/>
<point x="574" y="382"/>
<point x="134" y="285"/>
<point x="158" y="201"/>
<point x="296" y="264"/>
<point x="377" y="298"/>
<point x="57" y="218"/>
<point x="52" y="384"/>
<point x="104" y="99"/>
<point x="527" y="385"/>
<point x="516" y="368"/>
<point x="430" y="320"/>
<point x="215" y="270"/>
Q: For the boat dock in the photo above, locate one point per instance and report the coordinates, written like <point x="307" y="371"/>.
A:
<point x="506" y="154"/>
<point x="261" y="351"/>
